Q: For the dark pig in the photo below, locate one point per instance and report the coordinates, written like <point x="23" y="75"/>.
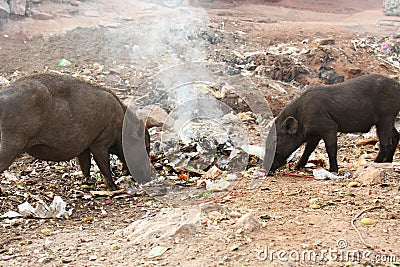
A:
<point x="320" y="112"/>
<point x="59" y="117"/>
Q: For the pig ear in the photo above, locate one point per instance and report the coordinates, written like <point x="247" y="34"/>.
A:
<point x="290" y="125"/>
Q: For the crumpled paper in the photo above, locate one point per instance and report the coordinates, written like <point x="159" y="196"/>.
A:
<point x="57" y="209"/>
<point x="322" y="174"/>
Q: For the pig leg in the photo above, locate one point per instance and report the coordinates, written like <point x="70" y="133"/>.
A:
<point x="385" y="140"/>
<point x="330" y="140"/>
<point x="84" y="162"/>
<point x="310" y="147"/>
<point x="147" y="141"/>
<point x="7" y="156"/>
<point x="121" y="157"/>
<point x="101" y="157"/>
<point x="395" y="142"/>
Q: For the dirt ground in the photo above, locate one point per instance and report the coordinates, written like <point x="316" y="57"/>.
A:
<point x="281" y="47"/>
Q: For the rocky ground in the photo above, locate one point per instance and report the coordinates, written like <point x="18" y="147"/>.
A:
<point x="276" y="49"/>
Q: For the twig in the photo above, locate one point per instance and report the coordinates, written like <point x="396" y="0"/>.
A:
<point x="358" y="231"/>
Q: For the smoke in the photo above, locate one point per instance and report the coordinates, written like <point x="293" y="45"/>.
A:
<point x="190" y="87"/>
<point x="176" y="39"/>
<point x="173" y="36"/>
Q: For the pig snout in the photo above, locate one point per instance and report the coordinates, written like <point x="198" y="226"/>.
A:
<point x="282" y="141"/>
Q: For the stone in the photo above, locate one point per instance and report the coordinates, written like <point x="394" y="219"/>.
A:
<point x="248" y="224"/>
<point x="41" y="15"/>
<point x="327" y="42"/>
<point x="372" y="173"/>
<point x="169" y="223"/>
<point x="18" y="7"/>
<point x="4" y="9"/>
<point x="153" y="115"/>
<point x="392" y="7"/>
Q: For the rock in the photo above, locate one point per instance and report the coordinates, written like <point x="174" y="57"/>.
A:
<point x="392" y="7"/>
<point x="206" y="208"/>
<point x="168" y="223"/>
<point x="4" y="9"/>
<point x="41" y="15"/>
<point x="248" y="223"/>
<point x="372" y="173"/>
<point x="153" y="115"/>
<point x="18" y="7"/>
<point x="327" y="42"/>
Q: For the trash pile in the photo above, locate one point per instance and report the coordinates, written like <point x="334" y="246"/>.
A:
<point x="386" y="49"/>
<point x="202" y="157"/>
<point x="279" y="62"/>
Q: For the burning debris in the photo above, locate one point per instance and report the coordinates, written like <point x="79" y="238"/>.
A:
<point x="205" y="154"/>
<point x="203" y="144"/>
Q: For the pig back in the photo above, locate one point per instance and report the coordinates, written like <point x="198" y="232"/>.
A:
<point x="71" y="115"/>
<point x="352" y="106"/>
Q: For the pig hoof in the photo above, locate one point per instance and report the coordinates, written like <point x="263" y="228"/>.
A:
<point x="112" y="187"/>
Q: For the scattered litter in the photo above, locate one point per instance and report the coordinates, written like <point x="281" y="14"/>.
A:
<point x="212" y="173"/>
<point x="385" y="49"/>
<point x="322" y="174"/>
<point x="220" y="185"/>
<point x="157" y="251"/>
<point x="93" y="257"/>
<point x="353" y="184"/>
<point x="64" y="63"/>
<point x="258" y="151"/>
<point x="329" y="75"/>
<point x="114" y="247"/>
<point x="57" y="209"/>
<point x="265" y="217"/>
<point x="11" y="214"/>
<point x="314" y="204"/>
<point x="4" y="81"/>
<point x="46" y="231"/>
<point x="87" y="219"/>
<point x="234" y="248"/>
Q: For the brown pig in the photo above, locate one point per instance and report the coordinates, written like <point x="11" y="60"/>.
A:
<point x="59" y="117"/>
<point x="320" y="112"/>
